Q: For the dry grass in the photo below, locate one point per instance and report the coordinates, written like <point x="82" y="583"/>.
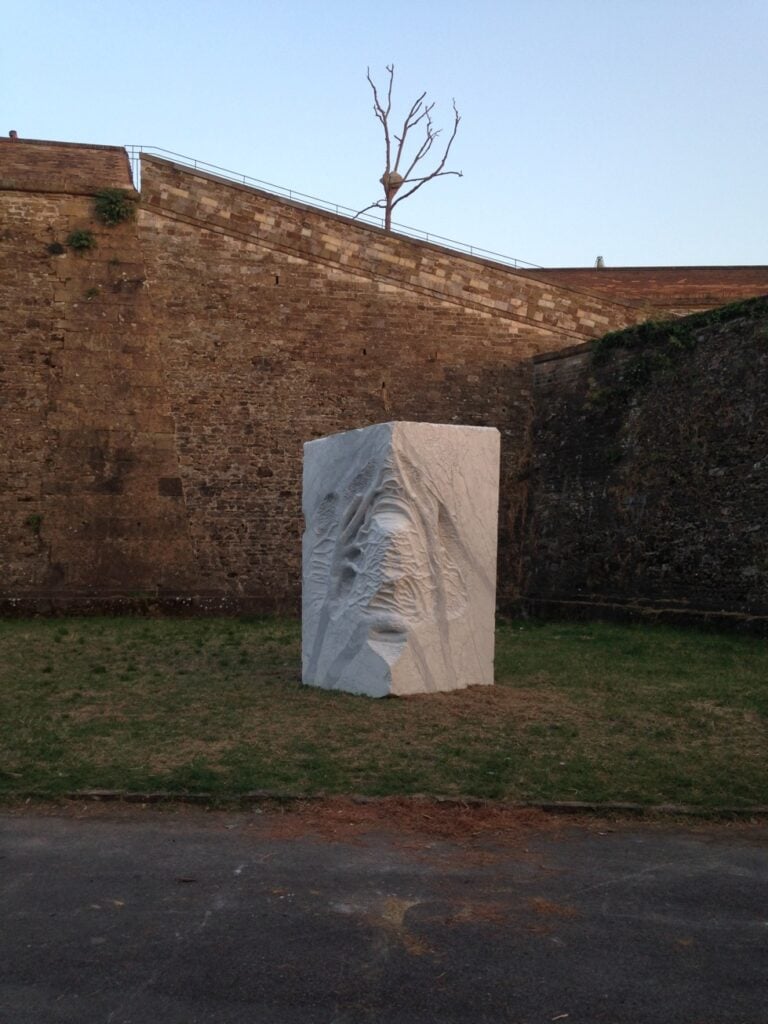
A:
<point x="579" y="712"/>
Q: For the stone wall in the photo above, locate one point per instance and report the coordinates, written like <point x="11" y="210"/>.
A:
<point x="156" y="389"/>
<point x="681" y="290"/>
<point x="279" y="324"/>
<point x="33" y="165"/>
<point x="649" y="473"/>
<point x="177" y="193"/>
<point x="89" y="502"/>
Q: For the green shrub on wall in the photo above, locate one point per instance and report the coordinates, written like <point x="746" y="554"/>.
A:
<point x="81" y="241"/>
<point x="675" y="337"/>
<point x="35" y="524"/>
<point x="653" y="348"/>
<point x="113" y="206"/>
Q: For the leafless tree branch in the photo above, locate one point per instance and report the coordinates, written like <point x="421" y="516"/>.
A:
<point x="378" y="205"/>
<point x="382" y="113"/>
<point x="438" y="172"/>
<point x="392" y="181"/>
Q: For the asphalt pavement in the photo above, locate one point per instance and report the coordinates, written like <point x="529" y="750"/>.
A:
<point x="339" y="916"/>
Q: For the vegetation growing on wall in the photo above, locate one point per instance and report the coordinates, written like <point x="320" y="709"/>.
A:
<point x="676" y="334"/>
<point x="656" y="346"/>
<point x="650" y="472"/>
<point x="35" y="523"/>
<point x="114" y="206"/>
<point x="81" y="240"/>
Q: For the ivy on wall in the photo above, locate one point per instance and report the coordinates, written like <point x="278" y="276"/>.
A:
<point x="654" y="347"/>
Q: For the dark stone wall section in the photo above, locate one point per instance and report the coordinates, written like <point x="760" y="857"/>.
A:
<point x="649" y="475"/>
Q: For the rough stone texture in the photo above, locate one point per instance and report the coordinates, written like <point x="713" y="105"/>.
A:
<point x="85" y="420"/>
<point x="654" y="494"/>
<point x="71" y="168"/>
<point x="399" y="558"/>
<point x="681" y="290"/>
<point x="155" y="392"/>
<point x="177" y="193"/>
<point x="280" y="323"/>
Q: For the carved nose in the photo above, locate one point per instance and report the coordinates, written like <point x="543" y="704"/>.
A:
<point x="390" y="509"/>
<point x="391" y="520"/>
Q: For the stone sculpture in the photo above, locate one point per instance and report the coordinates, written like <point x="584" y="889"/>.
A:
<point x="399" y="558"/>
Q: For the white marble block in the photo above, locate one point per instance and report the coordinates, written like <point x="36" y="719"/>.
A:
<point x="399" y="558"/>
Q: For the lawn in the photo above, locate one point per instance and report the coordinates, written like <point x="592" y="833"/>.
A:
<point x="591" y="712"/>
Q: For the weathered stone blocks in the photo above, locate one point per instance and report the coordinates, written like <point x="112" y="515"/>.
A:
<point x="399" y="558"/>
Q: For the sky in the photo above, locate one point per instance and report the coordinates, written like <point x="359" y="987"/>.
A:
<point x="636" y="130"/>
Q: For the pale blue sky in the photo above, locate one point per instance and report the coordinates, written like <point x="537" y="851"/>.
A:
<point x="633" y="129"/>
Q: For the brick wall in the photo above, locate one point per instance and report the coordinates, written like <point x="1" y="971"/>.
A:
<point x="90" y="500"/>
<point x="157" y="389"/>
<point x="681" y="290"/>
<point x="279" y="323"/>
<point x="32" y="165"/>
<point x="329" y="241"/>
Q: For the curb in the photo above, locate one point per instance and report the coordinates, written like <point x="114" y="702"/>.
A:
<point x="555" y="807"/>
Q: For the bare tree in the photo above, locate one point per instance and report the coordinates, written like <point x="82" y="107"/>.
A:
<point x="394" y="180"/>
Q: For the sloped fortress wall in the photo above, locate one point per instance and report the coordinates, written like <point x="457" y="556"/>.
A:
<point x="279" y="323"/>
<point x="156" y="389"/>
<point x="158" y="384"/>
<point x="659" y="290"/>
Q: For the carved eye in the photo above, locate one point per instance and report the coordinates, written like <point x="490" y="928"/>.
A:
<point x="360" y="481"/>
<point x="325" y="514"/>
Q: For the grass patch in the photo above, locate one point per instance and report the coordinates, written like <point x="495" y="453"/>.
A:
<point x="580" y="712"/>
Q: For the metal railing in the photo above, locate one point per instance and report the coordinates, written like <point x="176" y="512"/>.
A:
<point x="134" y="155"/>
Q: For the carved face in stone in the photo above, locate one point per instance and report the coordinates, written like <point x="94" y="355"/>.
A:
<point x="383" y="557"/>
<point x="389" y="549"/>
